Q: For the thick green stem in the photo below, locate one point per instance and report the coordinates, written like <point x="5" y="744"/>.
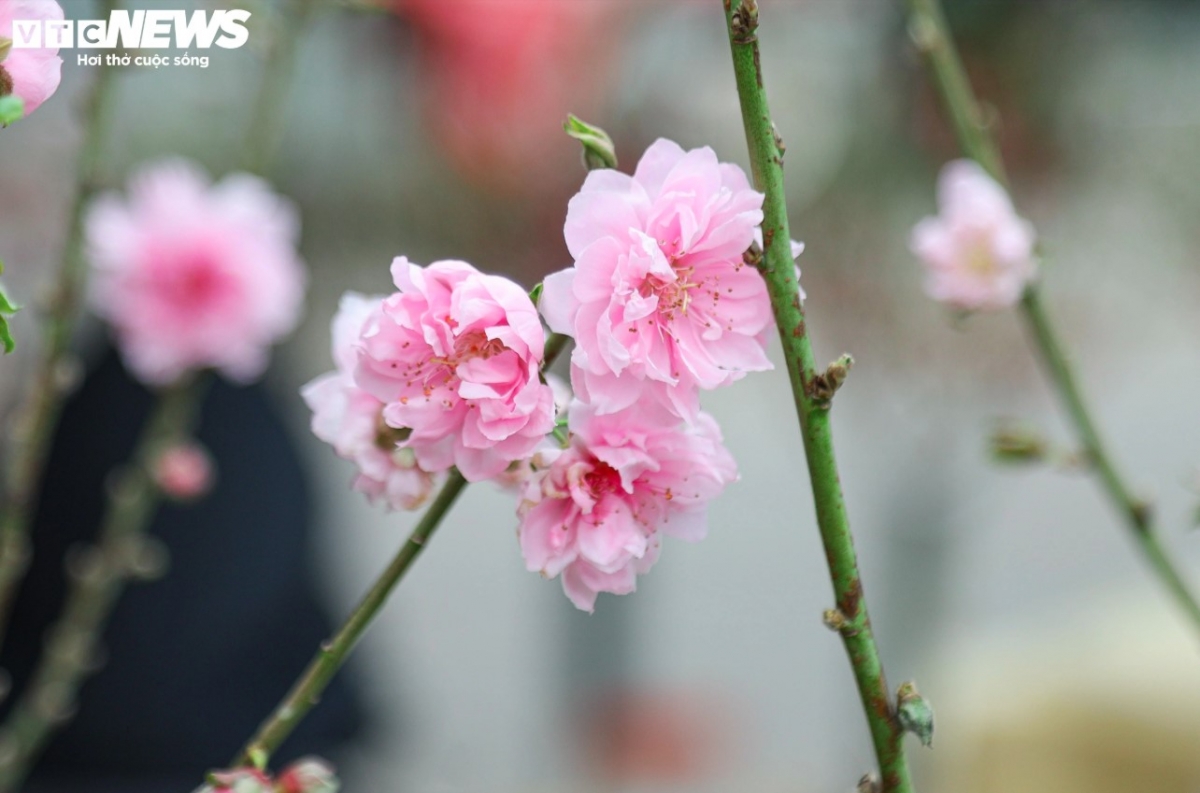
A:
<point x="97" y="575"/>
<point x="307" y="690"/>
<point x="306" y="693"/>
<point x="932" y="36"/>
<point x="812" y="404"/>
<point x="38" y="414"/>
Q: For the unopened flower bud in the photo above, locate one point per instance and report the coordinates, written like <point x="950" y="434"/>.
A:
<point x="1018" y="444"/>
<point x="184" y="471"/>
<point x="915" y="713"/>
<point x="241" y="780"/>
<point x="308" y="775"/>
<point x="598" y="149"/>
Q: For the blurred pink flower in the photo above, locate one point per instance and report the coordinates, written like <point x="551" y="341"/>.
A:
<point x="351" y="420"/>
<point x="30" y="73"/>
<point x="184" y="471"/>
<point x="978" y="253"/>
<point x="241" y="780"/>
<point x="193" y="275"/>
<point x="594" y="511"/>
<point x="308" y="775"/>
<point x="660" y="300"/>
<point x="498" y="79"/>
<point x="455" y="355"/>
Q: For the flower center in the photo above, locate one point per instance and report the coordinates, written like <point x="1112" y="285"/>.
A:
<point x="674" y="296"/>
<point x="6" y="82"/>
<point x="602" y="480"/>
<point x="979" y="258"/>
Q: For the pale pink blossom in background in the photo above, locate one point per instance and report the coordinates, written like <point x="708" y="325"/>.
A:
<point x="351" y="420"/>
<point x="455" y="356"/>
<point x="596" y="511"/>
<point x="978" y="253"/>
<point x="184" y="471"/>
<point x="193" y="275"/>
<point x="241" y="780"/>
<point x="660" y="300"/>
<point x="308" y="775"/>
<point x="30" y="73"/>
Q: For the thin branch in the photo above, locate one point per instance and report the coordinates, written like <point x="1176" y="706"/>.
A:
<point x="927" y="25"/>
<point x="850" y="618"/>
<point x="38" y="414"/>
<point x="306" y="692"/>
<point x="97" y="576"/>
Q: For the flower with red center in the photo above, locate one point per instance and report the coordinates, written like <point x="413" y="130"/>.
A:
<point x="595" y="511"/>
<point x="351" y="420"/>
<point x="31" y="73"/>
<point x="660" y="300"/>
<point x="454" y="355"/>
<point x="978" y="252"/>
<point x="193" y="275"/>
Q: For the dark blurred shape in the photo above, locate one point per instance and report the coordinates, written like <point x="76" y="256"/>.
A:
<point x="197" y="659"/>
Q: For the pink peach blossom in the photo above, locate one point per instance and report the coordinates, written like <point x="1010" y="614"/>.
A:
<point x="351" y="420"/>
<point x="184" y="471"/>
<point x="193" y="275"/>
<point x="240" y="780"/>
<point x="308" y="775"/>
<point x="455" y="356"/>
<point x="978" y="253"/>
<point x="596" y="511"/>
<point x="32" y="73"/>
<point x="660" y="300"/>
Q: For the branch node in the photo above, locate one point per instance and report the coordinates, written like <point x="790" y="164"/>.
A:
<point x="822" y="387"/>
<point x="744" y="23"/>
<point x="868" y="784"/>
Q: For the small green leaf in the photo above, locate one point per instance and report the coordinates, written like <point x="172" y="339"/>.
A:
<point x="7" y="306"/>
<point x="6" y="338"/>
<point x="535" y="294"/>
<point x="598" y="149"/>
<point x="12" y="108"/>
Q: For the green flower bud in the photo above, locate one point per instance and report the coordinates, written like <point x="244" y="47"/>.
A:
<point x="915" y="713"/>
<point x="598" y="149"/>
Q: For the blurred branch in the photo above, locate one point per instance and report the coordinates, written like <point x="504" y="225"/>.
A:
<point x="306" y="692"/>
<point x="812" y="396"/>
<point x="97" y="576"/>
<point x="267" y="119"/>
<point x="38" y="414"/>
<point x="927" y="25"/>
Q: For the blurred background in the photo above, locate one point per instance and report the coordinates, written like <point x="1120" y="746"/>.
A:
<point x="1012" y="596"/>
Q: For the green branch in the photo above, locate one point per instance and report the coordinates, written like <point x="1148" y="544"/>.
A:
<point x="306" y="693"/>
<point x="307" y="690"/>
<point x="931" y="34"/>
<point x="97" y="578"/>
<point x="812" y="392"/>
<point x="38" y="414"/>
